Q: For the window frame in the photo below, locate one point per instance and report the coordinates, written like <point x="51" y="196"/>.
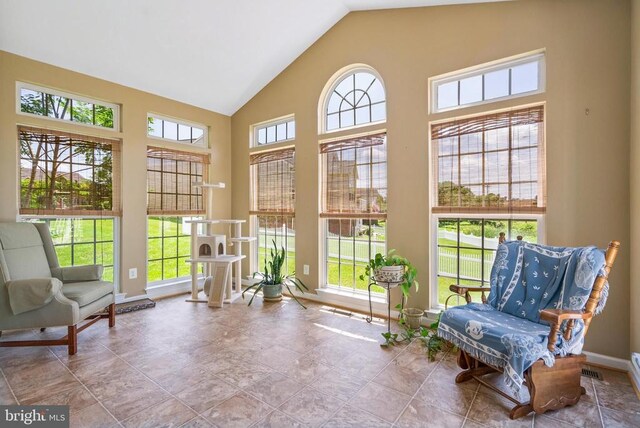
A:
<point x="255" y="128"/>
<point x="538" y="56"/>
<point x="178" y="122"/>
<point x="74" y="97"/>
<point x="116" y="237"/>
<point x="332" y="83"/>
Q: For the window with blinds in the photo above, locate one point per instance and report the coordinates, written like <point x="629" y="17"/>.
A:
<point x="490" y="164"/>
<point x="65" y="174"/>
<point x="170" y="178"/>
<point x="354" y="207"/>
<point x="274" y="190"/>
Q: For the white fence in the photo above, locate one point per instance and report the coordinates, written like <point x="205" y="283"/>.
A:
<point x="470" y="264"/>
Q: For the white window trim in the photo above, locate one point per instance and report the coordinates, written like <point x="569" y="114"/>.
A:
<point x="433" y="242"/>
<point x="332" y="83"/>
<point x="505" y="63"/>
<point x="253" y="131"/>
<point x="115" y="107"/>
<point x="204" y="128"/>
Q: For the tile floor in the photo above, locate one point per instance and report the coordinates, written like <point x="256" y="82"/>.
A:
<point x="273" y="365"/>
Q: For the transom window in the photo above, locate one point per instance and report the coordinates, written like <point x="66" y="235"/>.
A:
<point x="275" y="131"/>
<point x="354" y="100"/>
<point x="176" y="131"/>
<point x="354" y="207"/>
<point x="38" y="101"/>
<point x="507" y="79"/>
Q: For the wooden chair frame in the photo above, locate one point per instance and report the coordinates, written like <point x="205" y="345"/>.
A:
<point x="550" y="388"/>
<point x="71" y="339"/>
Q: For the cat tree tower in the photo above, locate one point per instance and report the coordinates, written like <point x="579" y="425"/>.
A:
<point x="210" y="250"/>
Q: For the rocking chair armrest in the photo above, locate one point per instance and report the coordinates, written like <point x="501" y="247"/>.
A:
<point x="555" y="317"/>
<point x="464" y="290"/>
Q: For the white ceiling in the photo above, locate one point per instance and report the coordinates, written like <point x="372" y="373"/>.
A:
<point x="212" y="54"/>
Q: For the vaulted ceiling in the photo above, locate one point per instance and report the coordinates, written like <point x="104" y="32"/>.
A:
<point x="211" y="54"/>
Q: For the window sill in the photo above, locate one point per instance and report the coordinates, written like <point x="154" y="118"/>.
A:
<point x="351" y="295"/>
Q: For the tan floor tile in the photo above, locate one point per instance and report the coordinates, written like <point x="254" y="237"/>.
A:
<point x="278" y="357"/>
<point x="244" y="374"/>
<point x="241" y="410"/>
<point x="400" y="378"/>
<point x="614" y="418"/>
<point x="275" y="389"/>
<point x="92" y="417"/>
<point x="6" y="395"/>
<point x="178" y="380"/>
<point x="39" y="382"/>
<point x="383" y="402"/>
<point x="169" y="413"/>
<point x="305" y="370"/>
<point x="338" y="384"/>
<point x="449" y="396"/>
<point x="493" y="411"/>
<point x="352" y="417"/>
<point x="198" y="422"/>
<point x="207" y="394"/>
<point x="418" y="414"/>
<point x="138" y="396"/>
<point x="77" y="398"/>
<point x="544" y="421"/>
<point x="311" y="407"/>
<point x="582" y="414"/>
<point x="277" y="419"/>
<point x="615" y="395"/>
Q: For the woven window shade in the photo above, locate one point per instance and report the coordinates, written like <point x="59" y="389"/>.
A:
<point x="63" y="173"/>
<point x="274" y="190"/>
<point x="170" y="178"/>
<point x="490" y="164"/>
<point x="354" y="177"/>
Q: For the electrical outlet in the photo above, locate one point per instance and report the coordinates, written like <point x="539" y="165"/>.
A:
<point x="305" y="269"/>
<point x="133" y="273"/>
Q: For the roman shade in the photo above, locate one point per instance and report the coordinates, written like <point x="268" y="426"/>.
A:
<point x="62" y="173"/>
<point x="354" y="177"/>
<point x="490" y="164"/>
<point x="274" y="190"/>
<point x="171" y="175"/>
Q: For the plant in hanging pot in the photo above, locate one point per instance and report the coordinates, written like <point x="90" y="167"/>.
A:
<point x="272" y="279"/>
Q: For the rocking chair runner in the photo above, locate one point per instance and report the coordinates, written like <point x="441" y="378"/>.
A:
<point x="550" y="387"/>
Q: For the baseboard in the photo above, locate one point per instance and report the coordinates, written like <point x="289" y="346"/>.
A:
<point x="608" y="362"/>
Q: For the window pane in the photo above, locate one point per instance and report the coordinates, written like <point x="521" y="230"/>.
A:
<point x="82" y="112"/>
<point x="471" y="90"/>
<point x="378" y="112"/>
<point x="332" y="121"/>
<point x="262" y="136"/>
<point x="32" y="102"/>
<point x="524" y="78"/>
<point x="271" y="134"/>
<point x="448" y="95"/>
<point x="496" y="84"/>
<point x="352" y="101"/>
<point x="346" y="119"/>
<point x="362" y="115"/>
<point x="184" y="133"/>
<point x="154" y="127"/>
<point x="198" y="135"/>
<point x="170" y="130"/>
<point x="281" y="132"/>
<point x="291" y="130"/>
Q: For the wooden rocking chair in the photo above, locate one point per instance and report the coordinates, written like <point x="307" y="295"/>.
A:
<point x="550" y="388"/>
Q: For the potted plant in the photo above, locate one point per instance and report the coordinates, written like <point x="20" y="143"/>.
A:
<point x="272" y="279"/>
<point x="391" y="268"/>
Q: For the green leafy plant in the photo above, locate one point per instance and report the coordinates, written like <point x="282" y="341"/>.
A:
<point x="431" y="341"/>
<point x="392" y="259"/>
<point x="390" y="339"/>
<point x="274" y="275"/>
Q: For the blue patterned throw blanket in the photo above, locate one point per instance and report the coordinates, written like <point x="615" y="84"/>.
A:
<point x="507" y="331"/>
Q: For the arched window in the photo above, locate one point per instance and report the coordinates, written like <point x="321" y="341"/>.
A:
<point x="356" y="98"/>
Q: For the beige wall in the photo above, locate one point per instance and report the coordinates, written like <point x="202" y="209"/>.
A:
<point x="635" y="175"/>
<point x="134" y="107"/>
<point x="587" y="44"/>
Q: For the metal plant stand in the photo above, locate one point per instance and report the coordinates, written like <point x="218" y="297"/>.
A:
<point x="387" y="286"/>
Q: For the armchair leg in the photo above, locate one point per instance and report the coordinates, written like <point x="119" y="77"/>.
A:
<point x="72" y="339"/>
<point x="112" y="315"/>
<point x="43" y="329"/>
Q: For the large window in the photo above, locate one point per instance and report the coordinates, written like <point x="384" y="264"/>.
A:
<point x="354" y="206"/>
<point x="68" y="174"/>
<point x="489" y="178"/>
<point x="171" y="200"/>
<point x="176" y="131"/>
<point x="355" y="99"/>
<point x="273" y="203"/>
<point x="56" y="105"/>
<point x="509" y="78"/>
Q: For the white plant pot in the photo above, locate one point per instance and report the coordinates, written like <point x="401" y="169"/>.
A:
<point x="389" y="274"/>
<point x="413" y="317"/>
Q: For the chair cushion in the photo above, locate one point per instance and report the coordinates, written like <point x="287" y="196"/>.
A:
<point x="19" y="235"/>
<point x="86" y="292"/>
<point x="497" y="338"/>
